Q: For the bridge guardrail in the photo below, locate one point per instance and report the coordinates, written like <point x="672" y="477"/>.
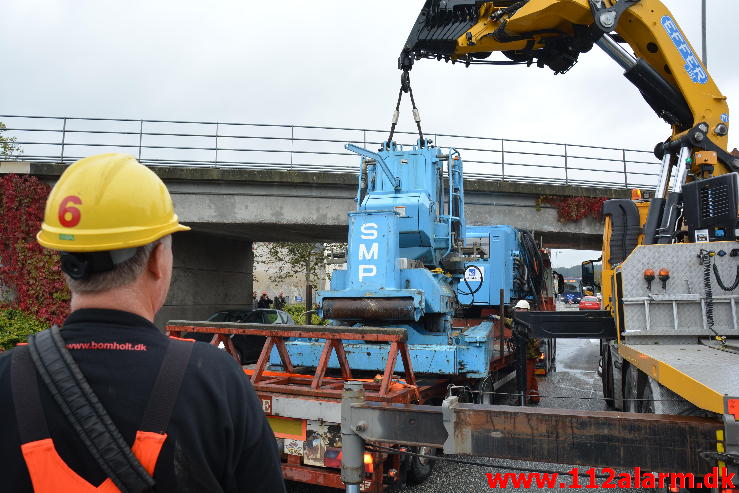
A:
<point x="318" y="149"/>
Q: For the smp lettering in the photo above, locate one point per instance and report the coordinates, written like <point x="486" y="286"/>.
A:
<point x="369" y="232"/>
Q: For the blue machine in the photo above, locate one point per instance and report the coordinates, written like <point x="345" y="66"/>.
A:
<point x="413" y="263"/>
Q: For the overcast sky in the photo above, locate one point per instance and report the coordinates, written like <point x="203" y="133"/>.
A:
<point x="330" y="62"/>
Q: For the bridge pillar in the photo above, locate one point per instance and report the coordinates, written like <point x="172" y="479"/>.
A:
<point x="210" y="273"/>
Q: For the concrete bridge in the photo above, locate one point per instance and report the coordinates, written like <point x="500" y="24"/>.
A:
<point x="229" y="209"/>
<point x="237" y="183"/>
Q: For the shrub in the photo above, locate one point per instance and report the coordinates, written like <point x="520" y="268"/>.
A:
<point x="573" y="209"/>
<point x="29" y="271"/>
<point x="297" y="311"/>
<point x="16" y="326"/>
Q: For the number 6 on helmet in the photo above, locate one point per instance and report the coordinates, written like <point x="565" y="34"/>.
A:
<point x="107" y="202"/>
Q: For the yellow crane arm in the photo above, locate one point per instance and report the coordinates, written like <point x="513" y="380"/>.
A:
<point x="553" y="33"/>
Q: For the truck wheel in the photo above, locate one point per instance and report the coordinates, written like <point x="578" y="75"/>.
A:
<point x="658" y="399"/>
<point x="647" y="404"/>
<point x="485" y="388"/>
<point x="553" y="356"/>
<point x="420" y="468"/>
<point x="606" y="376"/>
<point x="631" y="390"/>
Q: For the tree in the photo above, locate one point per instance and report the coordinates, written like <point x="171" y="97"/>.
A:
<point x="8" y="147"/>
<point x="285" y="260"/>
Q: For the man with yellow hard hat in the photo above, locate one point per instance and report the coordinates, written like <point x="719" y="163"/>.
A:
<point x="108" y="403"/>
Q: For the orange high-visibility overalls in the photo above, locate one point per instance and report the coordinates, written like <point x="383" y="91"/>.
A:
<point x="48" y="471"/>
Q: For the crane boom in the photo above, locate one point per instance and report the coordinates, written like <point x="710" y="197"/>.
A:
<point x="553" y="33"/>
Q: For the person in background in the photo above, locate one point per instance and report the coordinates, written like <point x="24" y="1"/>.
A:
<point x="532" y="355"/>
<point x="254" y="299"/>
<point x="280" y="301"/>
<point x="264" y="301"/>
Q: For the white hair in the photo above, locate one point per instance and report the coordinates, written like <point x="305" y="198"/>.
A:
<point x="121" y="275"/>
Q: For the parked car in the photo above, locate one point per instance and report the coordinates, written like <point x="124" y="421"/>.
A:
<point x="248" y="347"/>
<point x="589" y="303"/>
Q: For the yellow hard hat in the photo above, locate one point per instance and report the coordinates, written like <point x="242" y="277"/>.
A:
<point x="107" y="202"/>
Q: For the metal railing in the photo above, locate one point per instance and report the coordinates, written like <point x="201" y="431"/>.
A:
<point x="318" y="149"/>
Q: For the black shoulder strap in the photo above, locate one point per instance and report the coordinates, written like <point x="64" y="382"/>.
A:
<point x="167" y="386"/>
<point x="84" y="412"/>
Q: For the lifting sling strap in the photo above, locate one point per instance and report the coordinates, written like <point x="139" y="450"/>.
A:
<point x="46" y="352"/>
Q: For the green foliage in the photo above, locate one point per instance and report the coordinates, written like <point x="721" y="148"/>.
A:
<point x="29" y="272"/>
<point x="16" y="326"/>
<point x="288" y="259"/>
<point x="8" y="147"/>
<point x="297" y="311"/>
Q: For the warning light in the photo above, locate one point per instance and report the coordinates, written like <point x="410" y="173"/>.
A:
<point x="636" y="194"/>
<point x="649" y="277"/>
<point x="369" y="464"/>
<point x="664" y="276"/>
<point x="732" y="406"/>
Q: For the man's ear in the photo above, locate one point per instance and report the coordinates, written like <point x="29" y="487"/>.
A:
<point x="157" y="264"/>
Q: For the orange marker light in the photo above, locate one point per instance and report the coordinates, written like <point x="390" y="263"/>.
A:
<point x="733" y="407"/>
<point x="636" y="194"/>
<point x="649" y="277"/>
<point x="664" y="276"/>
<point x="369" y="466"/>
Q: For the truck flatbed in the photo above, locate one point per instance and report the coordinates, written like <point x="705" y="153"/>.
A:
<point x="705" y="374"/>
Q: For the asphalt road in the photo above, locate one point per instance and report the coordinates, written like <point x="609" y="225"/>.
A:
<point x="574" y="385"/>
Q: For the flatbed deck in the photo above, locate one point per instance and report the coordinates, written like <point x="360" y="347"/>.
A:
<point x="706" y="374"/>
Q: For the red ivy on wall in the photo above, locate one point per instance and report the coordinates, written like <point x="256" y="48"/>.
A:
<point x="26" y="268"/>
<point x="572" y="209"/>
